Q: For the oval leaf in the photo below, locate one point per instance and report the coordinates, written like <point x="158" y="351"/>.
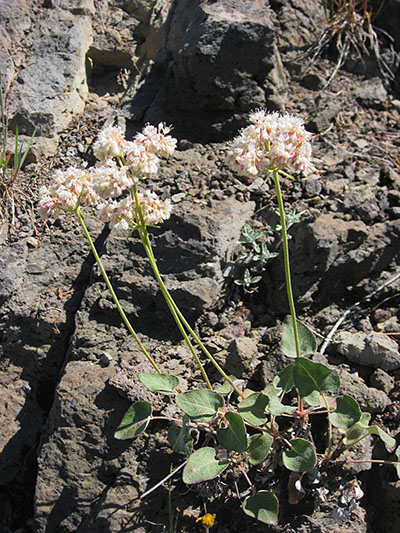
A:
<point x="347" y="412"/>
<point x="180" y="438"/>
<point x="253" y="408"/>
<point x="159" y="382"/>
<point x="263" y="506"/>
<point x="284" y="379"/>
<point x="202" y="466"/>
<point x="307" y="342"/>
<point x="397" y="466"/>
<point x="389" y="441"/>
<point x="258" y="447"/>
<point x="301" y="458"/>
<point x="312" y="378"/>
<point x="200" y="405"/>
<point x="226" y="388"/>
<point x="135" y="421"/>
<point x="233" y="437"/>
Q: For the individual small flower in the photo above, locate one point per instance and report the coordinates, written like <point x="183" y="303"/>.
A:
<point x="110" y="180"/>
<point x="70" y="189"/>
<point x="141" y="162"/>
<point x="110" y="143"/>
<point x="207" y="520"/>
<point x="157" y="140"/>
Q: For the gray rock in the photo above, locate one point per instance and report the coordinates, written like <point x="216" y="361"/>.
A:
<point x="52" y="87"/>
<point x="12" y="266"/>
<point x="371" y="93"/>
<point x="191" y="250"/>
<point x="332" y="254"/>
<point x="382" y="380"/>
<point x="41" y="291"/>
<point x="369" y="399"/>
<point x="377" y="351"/>
<point x="325" y="111"/>
<point x="192" y="82"/>
<point x="242" y="358"/>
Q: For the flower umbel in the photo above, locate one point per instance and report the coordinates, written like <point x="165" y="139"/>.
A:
<point x="122" y="215"/>
<point x="143" y="152"/>
<point x="271" y="142"/>
<point x="157" y="140"/>
<point x="207" y="520"/>
<point x="70" y="189"/>
<point x="110" y="180"/>
<point x="110" y="143"/>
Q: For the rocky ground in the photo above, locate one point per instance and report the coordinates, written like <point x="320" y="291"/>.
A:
<point x="68" y="367"/>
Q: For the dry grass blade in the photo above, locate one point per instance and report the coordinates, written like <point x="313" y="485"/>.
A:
<point x="349" y="31"/>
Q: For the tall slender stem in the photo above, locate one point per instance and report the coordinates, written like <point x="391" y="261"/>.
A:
<point x="112" y="292"/>
<point x="147" y="246"/>
<point x="175" y="311"/>
<point x="286" y="262"/>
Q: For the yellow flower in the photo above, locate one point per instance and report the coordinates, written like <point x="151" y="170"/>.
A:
<point x="207" y="520"/>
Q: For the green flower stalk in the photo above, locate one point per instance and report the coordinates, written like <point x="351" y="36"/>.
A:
<point x="69" y="192"/>
<point x="112" y="186"/>
<point x="271" y="143"/>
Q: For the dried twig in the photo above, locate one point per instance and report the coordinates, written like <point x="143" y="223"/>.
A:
<point x="366" y="298"/>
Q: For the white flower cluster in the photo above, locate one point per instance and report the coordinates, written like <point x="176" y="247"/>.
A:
<point x="110" y="143"/>
<point x="69" y="189"/>
<point x="272" y="142"/>
<point x="121" y="215"/>
<point x="110" y="180"/>
<point x="142" y="157"/>
<point x="104" y="184"/>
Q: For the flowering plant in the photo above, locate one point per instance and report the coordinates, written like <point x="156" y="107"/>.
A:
<point x="236" y="428"/>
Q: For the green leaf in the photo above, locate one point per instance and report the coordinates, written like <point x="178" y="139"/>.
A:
<point x="159" y="382"/>
<point x="285" y="379"/>
<point x="202" y="466"/>
<point x="258" y="447"/>
<point x="135" y="421"/>
<point x="397" y="466"/>
<point x="310" y="378"/>
<point x="264" y="254"/>
<point x="253" y="408"/>
<point x="180" y="438"/>
<point x="301" y="457"/>
<point x="276" y="407"/>
<point x="307" y="342"/>
<point x="226" y="388"/>
<point x="263" y="506"/>
<point x="273" y="389"/>
<point x="347" y="412"/>
<point x="200" y="405"/>
<point x="389" y="441"/>
<point x="357" y="431"/>
<point x="234" y="436"/>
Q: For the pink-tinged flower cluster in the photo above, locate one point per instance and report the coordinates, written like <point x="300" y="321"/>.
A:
<point x="157" y="140"/>
<point x="142" y="157"/>
<point x="110" y="143"/>
<point x="105" y="184"/>
<point x="272" y="142"/>
<point x="140" y="162"/>
<point x="121" y="215"/>
<point x="110" y="180"/>
<point x="70" y="188"/>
